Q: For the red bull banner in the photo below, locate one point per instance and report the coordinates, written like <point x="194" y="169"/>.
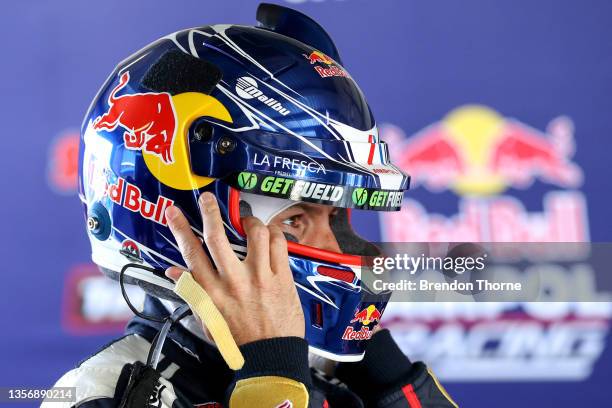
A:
<point x="485" y="160"/>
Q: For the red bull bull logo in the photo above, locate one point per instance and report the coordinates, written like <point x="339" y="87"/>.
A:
<point x="330" y="69"/>
<point x="148" y="119"/>
<point x="318" y="56"/>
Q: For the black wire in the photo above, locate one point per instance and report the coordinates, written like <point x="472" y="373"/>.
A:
<point x="172" y="319"/>
<point x="153" y="345"/>
<point x="127" y="299"/>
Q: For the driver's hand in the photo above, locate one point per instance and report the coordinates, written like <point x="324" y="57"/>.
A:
<point x="257" y="296"/>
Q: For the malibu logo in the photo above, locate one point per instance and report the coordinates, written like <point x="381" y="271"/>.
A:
<point x="246" y="88"/>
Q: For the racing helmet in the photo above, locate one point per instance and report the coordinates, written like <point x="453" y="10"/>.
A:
<point x="263" y="117"/>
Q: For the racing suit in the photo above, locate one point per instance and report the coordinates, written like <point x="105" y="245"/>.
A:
<point x="191" y="373"/>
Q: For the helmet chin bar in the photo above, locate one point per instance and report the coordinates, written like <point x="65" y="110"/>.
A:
<point x="294" y="247"/>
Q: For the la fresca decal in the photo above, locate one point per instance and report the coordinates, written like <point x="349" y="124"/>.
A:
<point x="286" y="165"/>
<point x="322" y="193"/>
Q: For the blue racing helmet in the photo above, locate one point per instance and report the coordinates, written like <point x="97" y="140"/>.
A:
<point x="263" y="117"/>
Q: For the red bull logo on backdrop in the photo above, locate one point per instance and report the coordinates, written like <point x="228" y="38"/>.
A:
<point x="148" y="119"/>
<point x="476" y="151"/>
<point x="478" y="154"/>
<point x="62" y="168"/>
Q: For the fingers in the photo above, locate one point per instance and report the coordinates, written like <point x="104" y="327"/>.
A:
<point x="279" y="256"/>
<point x="214" y="234"/>
<point x="174" y="273"/>
<point x="189" y="245"/>
<point x="258" y="237"/>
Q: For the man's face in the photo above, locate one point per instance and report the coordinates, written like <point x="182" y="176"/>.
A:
<point x="309" y="224"/>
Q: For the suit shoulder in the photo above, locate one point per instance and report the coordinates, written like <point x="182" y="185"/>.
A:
<point x="97" y="376"/>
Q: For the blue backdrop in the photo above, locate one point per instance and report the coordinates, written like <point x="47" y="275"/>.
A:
<point x="542" y="67"/>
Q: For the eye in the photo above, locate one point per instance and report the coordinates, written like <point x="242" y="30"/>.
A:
<point x="292" y="221"/>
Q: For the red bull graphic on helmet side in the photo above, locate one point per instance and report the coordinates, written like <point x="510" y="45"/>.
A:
<point x="148" y="118"/>
<point x="318" y="56"/>
<point x="130" y="197"/>
<point x="324" y="65"/>
<point x="476" y="151"/>
<point x="368" y="316"/>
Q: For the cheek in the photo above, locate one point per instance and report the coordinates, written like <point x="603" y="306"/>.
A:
<point x="321" y="234"/>
<point x="316" y="229"/>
